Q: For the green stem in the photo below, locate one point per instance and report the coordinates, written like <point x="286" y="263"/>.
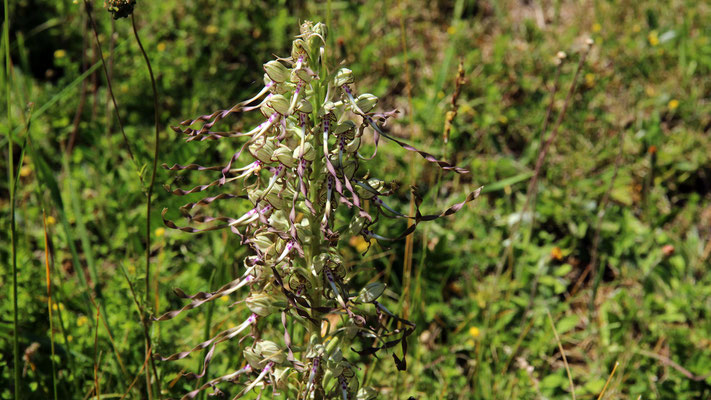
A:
<point x="11" y="184"/>
<point x="150" y="193"/>
<point x="111" y="90"/>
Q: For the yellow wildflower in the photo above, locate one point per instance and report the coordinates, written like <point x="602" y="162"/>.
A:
<point x="474" y="332"/>
<point x="589" y="80"/>
<point x="160" y="231"/>
<point x="596" y="27"/>
<point x="60" y="53"/>
<point x="82" y="320"/>
<point x="653" y="38"/>
<point x="673" y="104"/>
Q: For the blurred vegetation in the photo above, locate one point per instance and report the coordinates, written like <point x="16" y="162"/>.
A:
<point x="615" y="246"/>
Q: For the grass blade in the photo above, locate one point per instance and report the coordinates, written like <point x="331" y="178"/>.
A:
<point x="48" y="272"/>
<point x="11" y="187"/>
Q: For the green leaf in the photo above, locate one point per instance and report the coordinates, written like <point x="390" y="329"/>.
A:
<point x="567" y="323"/>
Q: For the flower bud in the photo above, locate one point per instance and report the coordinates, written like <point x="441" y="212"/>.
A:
<point x="280" y="197"/>
<point x="279" y="221"/>
<point x="347" y="127"/>
<point x="266" y="110"/>
<point x="320" y="29"/>
<point x="315" y="349"/>
<point x="348" y="167"/>
<point x="263" y="151"/>
<point x="271" y="351"/>
<point x="307" y="152"/>
<point x="277" y="71"/>
<point x="284" y="155"/>
<point x="367" y="393"/>
<point x="299" y="49"/>
<point x="253" y="358"/>
<point x="281" y="376"/>
<point x="374" y="185"/>
<point x="282" y="88"/>
<point x="306" y="28"/>
<point x="344" y="76"/>
<point x="356" y="225"/>
<point x="320" y="261"/>
<point x="262" y="353"/>
<point x="301" y="74"/>
<point x="264" y="304"/>
<point x="264" y="242"/>
<point x="371" y="292"/>
<point x="304" y="106"/>
<point x="353" y="145"/>
<point x="350" y="329"/>
<point x="279" y="103"/>
<point x="366" y="102"/>
<point x="255" y="195"/>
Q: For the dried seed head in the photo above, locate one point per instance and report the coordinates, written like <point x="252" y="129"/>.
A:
<point x="120" y="8"/>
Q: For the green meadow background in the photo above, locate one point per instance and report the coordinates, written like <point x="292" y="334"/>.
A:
<point x="610" y="245"/>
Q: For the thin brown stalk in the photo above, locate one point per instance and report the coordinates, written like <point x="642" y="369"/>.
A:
<point x="48" y="274"/>
<point x="96" y="355"/>
<point x="94" y="85"/>
<point x="143" y="316"/>
<point x="609" y="378"/>
<point x="111" y="340"/>
<point x="409" y="240"/>
<point x="459" y="81"/>
<point x="668" y="361"/>
<point x="112" y="44"/>
<point x="560" y="57"/>
<point x="87" y="7"/>
<point x="591" y="267"/>
<point x="562" y="353"/>
<point x="135" y="379"/>
<point x="155" y="158"/>
<point x="542" y="153"/>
